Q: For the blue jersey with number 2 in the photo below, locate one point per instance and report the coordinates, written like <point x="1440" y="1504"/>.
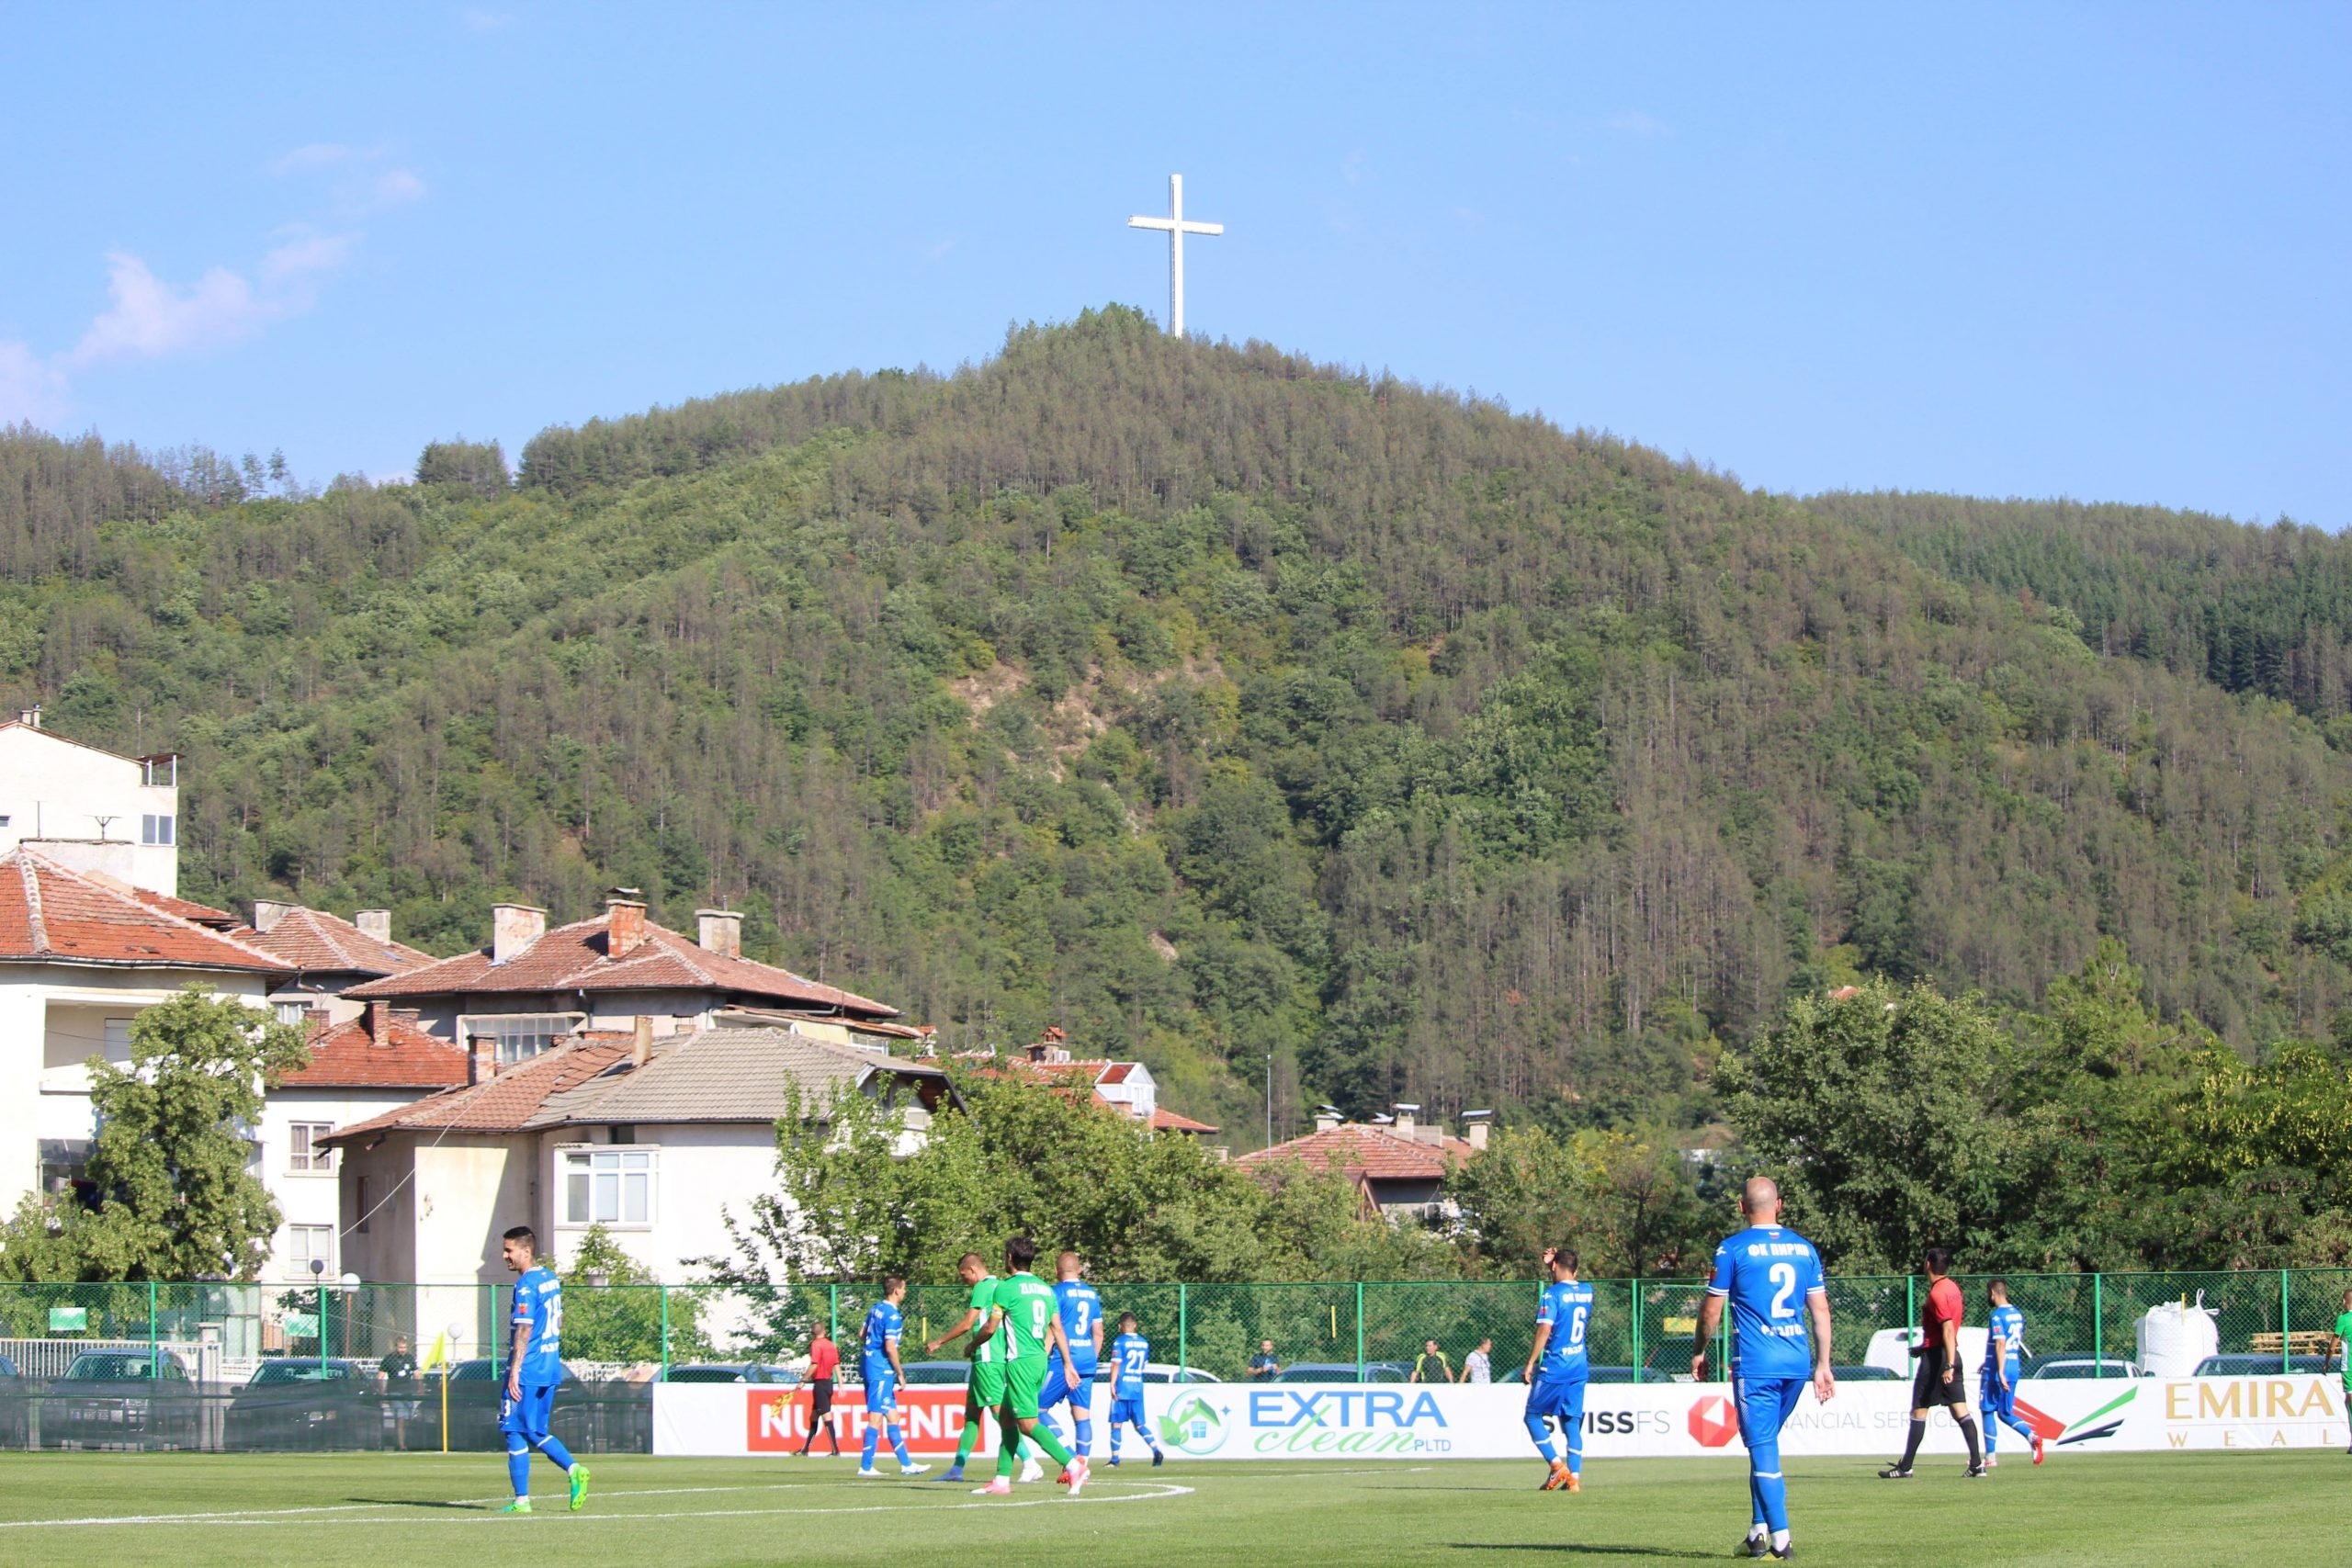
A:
<point x="1567" y="1311"/>
<point x="1768" y="1271"/>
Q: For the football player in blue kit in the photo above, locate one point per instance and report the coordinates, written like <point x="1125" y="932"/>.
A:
<point x="1081" y="1310"/>
<point x="533" y="1371"/>
<point x="1558" y="1370"/>
<point x="878" y="1368"/>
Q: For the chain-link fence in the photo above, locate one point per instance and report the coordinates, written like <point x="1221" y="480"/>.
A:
<point x="326" y="1366"/>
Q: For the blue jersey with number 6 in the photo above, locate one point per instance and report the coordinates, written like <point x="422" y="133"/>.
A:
<point x="1567" y="1311"/>
<point x="1768" y="1271"/>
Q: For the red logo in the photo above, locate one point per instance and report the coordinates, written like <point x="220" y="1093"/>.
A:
<point x="776" y="1420"/>
<point x="1712" y="1422"/>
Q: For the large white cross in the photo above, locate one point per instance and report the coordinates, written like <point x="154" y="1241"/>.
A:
<point x="1177" y="228"/>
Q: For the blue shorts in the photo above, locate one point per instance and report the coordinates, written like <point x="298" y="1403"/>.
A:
<point x="881" y="1385"/>
<point x="1563" y="1397"/>
<point x="1128" y="1409"/>
<point x="527" y="1418"/>
<point x="1993" y="1397"/>
<point x="1058" y="1388"/>
<point x="1765" y="1405"/>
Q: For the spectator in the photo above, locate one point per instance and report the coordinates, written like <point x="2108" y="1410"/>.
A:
<point x="824" y="1359"/>
<point x="1477" y="1367"/>
<point x="1262" y="1366"/>
<point x="1431" y="1365"/>
<point x="396" y="1382"/>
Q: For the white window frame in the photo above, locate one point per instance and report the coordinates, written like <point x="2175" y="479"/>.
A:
<point x="158" y="830"/>
<point x="514" y="1030"/>
<point x="590" y="1165"/>
<point x="303" y="1155"/>
<point x="297" y="1253"/>
<point x="294" y="1013"/>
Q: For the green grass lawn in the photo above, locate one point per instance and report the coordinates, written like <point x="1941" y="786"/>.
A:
<point x="424" y="1511"/>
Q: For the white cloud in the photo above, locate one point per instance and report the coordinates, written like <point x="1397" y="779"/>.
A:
<point x="150" y="318"/>
<point x="29" y="389"/>
<point x="305" y="254"/>
<point x="396" y="188"/>
<point x="317" y="156"/>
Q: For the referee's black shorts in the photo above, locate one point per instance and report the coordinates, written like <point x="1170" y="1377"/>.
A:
<point x="1928" y="1386"/>
<point x="820" y="1396"/>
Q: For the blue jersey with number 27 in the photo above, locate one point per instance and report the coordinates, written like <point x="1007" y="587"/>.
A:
<point x="1567" y="1311"/>
<point x="1081" y="1310"/>
<point x="1130" y="1353"/>
<point x="1768" y="1271"/>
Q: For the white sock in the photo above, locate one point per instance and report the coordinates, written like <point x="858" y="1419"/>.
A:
<point x="1780" y="1541"/>
<point x="1758" y="1532"/>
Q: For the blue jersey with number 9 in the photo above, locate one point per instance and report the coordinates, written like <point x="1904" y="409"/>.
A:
<point x="1768" y="1271"/>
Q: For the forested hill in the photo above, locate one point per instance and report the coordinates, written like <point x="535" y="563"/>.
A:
<point x="1208" y="702"/>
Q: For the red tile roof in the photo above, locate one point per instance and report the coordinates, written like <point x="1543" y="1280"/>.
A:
<point x="202" y="914"/>
<point x="320" y="943"/>
<point x="1367" y="1154"/>
<point x="346" y="1055"/>
<point x="575" y="958"/>
<point x="502" y="1103"/>
<point x="1169" y="1121"/>
<point x="51" y="913"/>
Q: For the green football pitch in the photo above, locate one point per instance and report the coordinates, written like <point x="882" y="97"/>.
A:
<point x="424" y="1511"/>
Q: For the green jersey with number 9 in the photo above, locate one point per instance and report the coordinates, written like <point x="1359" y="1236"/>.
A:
<point x="1029" y="1309"/>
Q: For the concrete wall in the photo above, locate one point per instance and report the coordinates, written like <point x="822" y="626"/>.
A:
<point x="53" y="788"/>
<point x="313" y="1197"/>
<point x="701" y="1172"/>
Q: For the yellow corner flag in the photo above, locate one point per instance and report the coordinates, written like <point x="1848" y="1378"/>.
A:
<point x="438" y="1356"/>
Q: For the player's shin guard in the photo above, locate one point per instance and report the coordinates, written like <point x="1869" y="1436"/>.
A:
<point x="897" y="1445"/>
<point x="1771" y="1491"/>
<point x="874" y="1441"/>
<point x="518" y="1465"/>
<point x="1541" y="1430"/>
<point x="1084" y="1423"/>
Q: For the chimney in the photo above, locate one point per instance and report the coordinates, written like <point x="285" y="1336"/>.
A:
<point x="380" y="1023"/>
<point x="267" y="912"/>
<point x="720" y="932"/>
<point x="1327" y="1117"/>
<point x="1407" y="1115"/>
<point x="31" y="716"/>
<point x="374" y="924"/>
<point x="640" y="1045"/>
<point x="1473" y="1127"/>
<point x="624" y="921"/>
<point x="482" y="1065"/>
<point x="512" y="928"/>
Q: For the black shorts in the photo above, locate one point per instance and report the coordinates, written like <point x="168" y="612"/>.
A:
<point x="820" y="1395"/>
<point x="1929" y="1388"/>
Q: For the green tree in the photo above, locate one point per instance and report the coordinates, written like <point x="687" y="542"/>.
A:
<point x="614" y="1309"/>
<point x="176" y="1200"/>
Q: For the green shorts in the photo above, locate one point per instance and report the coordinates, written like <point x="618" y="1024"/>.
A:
<point x="987" y="1384"/>
<point x="1022" y="1382"/>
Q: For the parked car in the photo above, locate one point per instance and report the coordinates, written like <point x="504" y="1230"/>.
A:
<point x="15" y="1394"/>
<point x="2080" y="1365"/>
<point x="936" y="1375"/>
<point x="1345" y="1371"/>
<point x="1609" y="1374"/>
<point x="305" y="1405"/>
<point x="1160" y="1371"/>
<point x="134" y="1399"/>
<point x="475" y="1389"/>
<point x="2256" y="1365"/>
<point x="737" y="1371"/>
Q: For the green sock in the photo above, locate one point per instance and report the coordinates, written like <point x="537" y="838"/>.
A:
<point x="971" y="1436"/>
<point x="1045" y="1439"/>
<point x="1007" y="1455"/>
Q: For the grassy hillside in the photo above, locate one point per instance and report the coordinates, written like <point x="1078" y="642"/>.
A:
<point x="1209" y="703"/>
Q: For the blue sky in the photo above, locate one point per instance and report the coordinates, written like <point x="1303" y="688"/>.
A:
<point x="2096" y="251"/>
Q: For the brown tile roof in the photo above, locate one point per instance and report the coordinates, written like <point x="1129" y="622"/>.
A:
<point x="575" y="958"/>
<point x="347" y="1055"/>
<point x="1367" y="1154"/>
<point x="1165" y="1121"/>
<point x="503" y="1103"/>
<point x="320" y="943"/>
<point x="186" y="909"/>
<point x="51" y="913"/>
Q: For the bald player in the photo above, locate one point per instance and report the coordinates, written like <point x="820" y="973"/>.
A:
<point x="1772" y="1278"/>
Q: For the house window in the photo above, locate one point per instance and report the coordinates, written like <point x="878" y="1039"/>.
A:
<point x="302" y="1153"/>
<point x="160" y="771"/>
<point x="304" y="1243"/>
<point x="366" y="1204"/>
<point x="158" y="830"/>
<point x="293" y="1013"/>
<point x="523" y="1035"/>
<point x="608" y="1187"/>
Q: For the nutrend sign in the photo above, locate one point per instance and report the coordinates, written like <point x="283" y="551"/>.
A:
<point x="1232" y="1421"/>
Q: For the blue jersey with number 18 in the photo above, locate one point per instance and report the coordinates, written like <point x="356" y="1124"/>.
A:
<point x="1768" y="1271"/>
<point x="1567" y="1310"/>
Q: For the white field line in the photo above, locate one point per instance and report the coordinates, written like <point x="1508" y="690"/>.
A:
<point x="393" y="1513"/>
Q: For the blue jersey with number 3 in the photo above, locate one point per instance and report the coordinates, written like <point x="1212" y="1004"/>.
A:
<point x="538" y="1301"/>
<point x="1081" y="1310"/>
<point x="1567" y="1311"/>
<point x="1768" y="1271"/>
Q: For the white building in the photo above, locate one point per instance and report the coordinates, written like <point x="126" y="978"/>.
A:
<point x="650" y="1137"/>
<point x="88" y="808"/>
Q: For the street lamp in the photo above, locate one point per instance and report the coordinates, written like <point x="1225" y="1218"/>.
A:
<point x="318" y="1273"/>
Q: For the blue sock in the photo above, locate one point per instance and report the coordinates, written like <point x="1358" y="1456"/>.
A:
<point x="1771" y="1491"/>
<point x="2020" y="1427"/>
<point x="1116" y="1430"/>
<point x="1083" y="1420"/>
<point x="518" y="1467"/>
<point x="1575" y="1454"/>
<point x="1148" y="1440"/>
<point x="872" y="1441"/>
<point x="1541" y="1430"/>
<point x="553" y="1448"/>
<point x="898" y="1443"/>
